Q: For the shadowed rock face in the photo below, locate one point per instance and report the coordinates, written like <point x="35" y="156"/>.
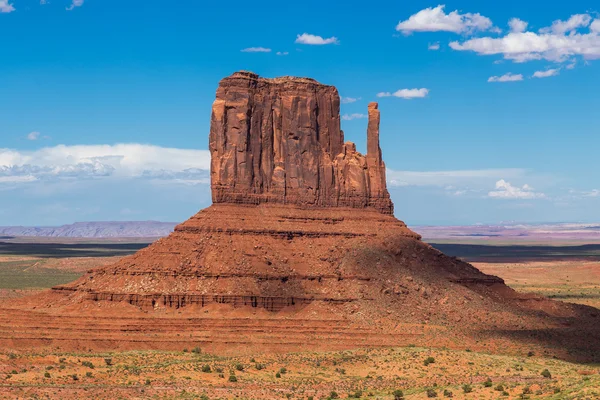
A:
<point x="279" y="141"/>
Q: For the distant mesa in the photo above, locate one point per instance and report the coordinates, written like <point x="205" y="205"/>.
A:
<point x="94" y="230"/>
<point x="299" y="251"/>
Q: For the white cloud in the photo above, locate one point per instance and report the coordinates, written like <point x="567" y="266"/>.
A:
<point x="504" y="190"/>
<point x="6" y="7"/>
<point x="434" y="46"/>
<point x="256" y="50"/>
<point x="33" y="136"/>
<point x="282" y="53"/>
<point x="43" y="2"/>
<point x="307" y="38"/>
<point x="350" y="117"/>
<point x="75" y="3"/>
<point x="517" y="25"/>
<point x="124" y="161"/>
<point x="406" y="93"/>
<point x="451" y="180"/>
<point x="435" y="20"/>
<point x="546" y="74"/>
<point x="556" y="43"/>
<point x="348" y="100"/>
<point x="509" y="77"/>
<point x="575" y="22"/>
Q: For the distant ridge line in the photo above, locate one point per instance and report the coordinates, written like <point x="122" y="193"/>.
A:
<point x="96" y="230"/>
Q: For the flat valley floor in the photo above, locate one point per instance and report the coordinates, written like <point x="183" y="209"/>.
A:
<point x="566" y="272"/>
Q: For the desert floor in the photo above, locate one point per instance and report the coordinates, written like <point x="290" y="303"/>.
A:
<point x="565" y="273"/>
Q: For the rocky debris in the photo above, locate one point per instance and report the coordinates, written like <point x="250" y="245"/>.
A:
<point x="280" y="141"/>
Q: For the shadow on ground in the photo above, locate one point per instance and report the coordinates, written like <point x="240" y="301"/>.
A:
<point x="522" y="253"/>
<point x="60" y="250"/>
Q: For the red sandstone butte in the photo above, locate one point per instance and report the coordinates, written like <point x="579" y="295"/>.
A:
<point x="280" y="141"/>
<point x="300" y="251"/>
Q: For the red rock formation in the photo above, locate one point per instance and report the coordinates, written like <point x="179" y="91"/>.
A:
<point x="330" y="268"/>
<point x="279" y="141"/>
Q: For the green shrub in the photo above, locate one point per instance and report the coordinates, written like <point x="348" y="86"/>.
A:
<point x="219" y="370"/>
<point x="75" y="377"/>
<point x="206" y="369"/>
<point x="239" y="367"/>
<point x="278" y="375"/>
<point x="356" y="395"/>
<point x="333" y="395"/>
<point x="467" y="388"/>
<point x="89" y="374"/>
<point x="488" y="383"/>
<point x="429" y="360"/>
<point x="108" y="361"/>
<point x="204" y="397"/>
<point x="431" y="393"/>
<point x="546" y="374"/>
<point x="499" y="388"/>
<point x="196" y="350"/>
<point x="232" y="378"/>
<point x="88" y="364"/>
<point x="283" y="370"/>
<point x="398" y="394"/>
<point x="259" y="367"/>
<point x="448" y="393"/>
<point x="47" y="375"/>
<point x="148" y="382"/>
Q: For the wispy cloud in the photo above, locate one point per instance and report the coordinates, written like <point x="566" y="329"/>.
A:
<point x="256" y="50"/>
<point x="33" y="136"/>
<point x="434" y="46"/>
<point x="6" y="7"/>
<point x="282" y="53"/>
<point x="350" y="117"/>
<point x="435" y="19"/>
<point x="75" y="3"/>
<point x="307" y="38"/>
<point x="406" y="93"/>
<point x="557" y="43"/>
<point x="452" y="179"/>
<point x="504" y="190"/>
<point x="509" y="77"/>
<point x="123" y="161"/>
<point x="348" y="100"/>
<point x="547" y="73"/>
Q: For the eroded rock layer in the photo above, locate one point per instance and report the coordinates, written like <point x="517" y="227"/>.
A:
<point x="279" y="141"/>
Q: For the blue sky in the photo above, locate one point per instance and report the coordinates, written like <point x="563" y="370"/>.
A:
<point x="489" y="110"/>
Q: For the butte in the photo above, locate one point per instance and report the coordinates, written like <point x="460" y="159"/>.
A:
<point x="300" y="250"/>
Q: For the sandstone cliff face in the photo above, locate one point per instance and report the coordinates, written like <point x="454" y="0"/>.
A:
<point x="279" y="141"/>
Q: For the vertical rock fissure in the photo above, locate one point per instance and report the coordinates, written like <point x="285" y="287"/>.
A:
<point x="294" y="150"/>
